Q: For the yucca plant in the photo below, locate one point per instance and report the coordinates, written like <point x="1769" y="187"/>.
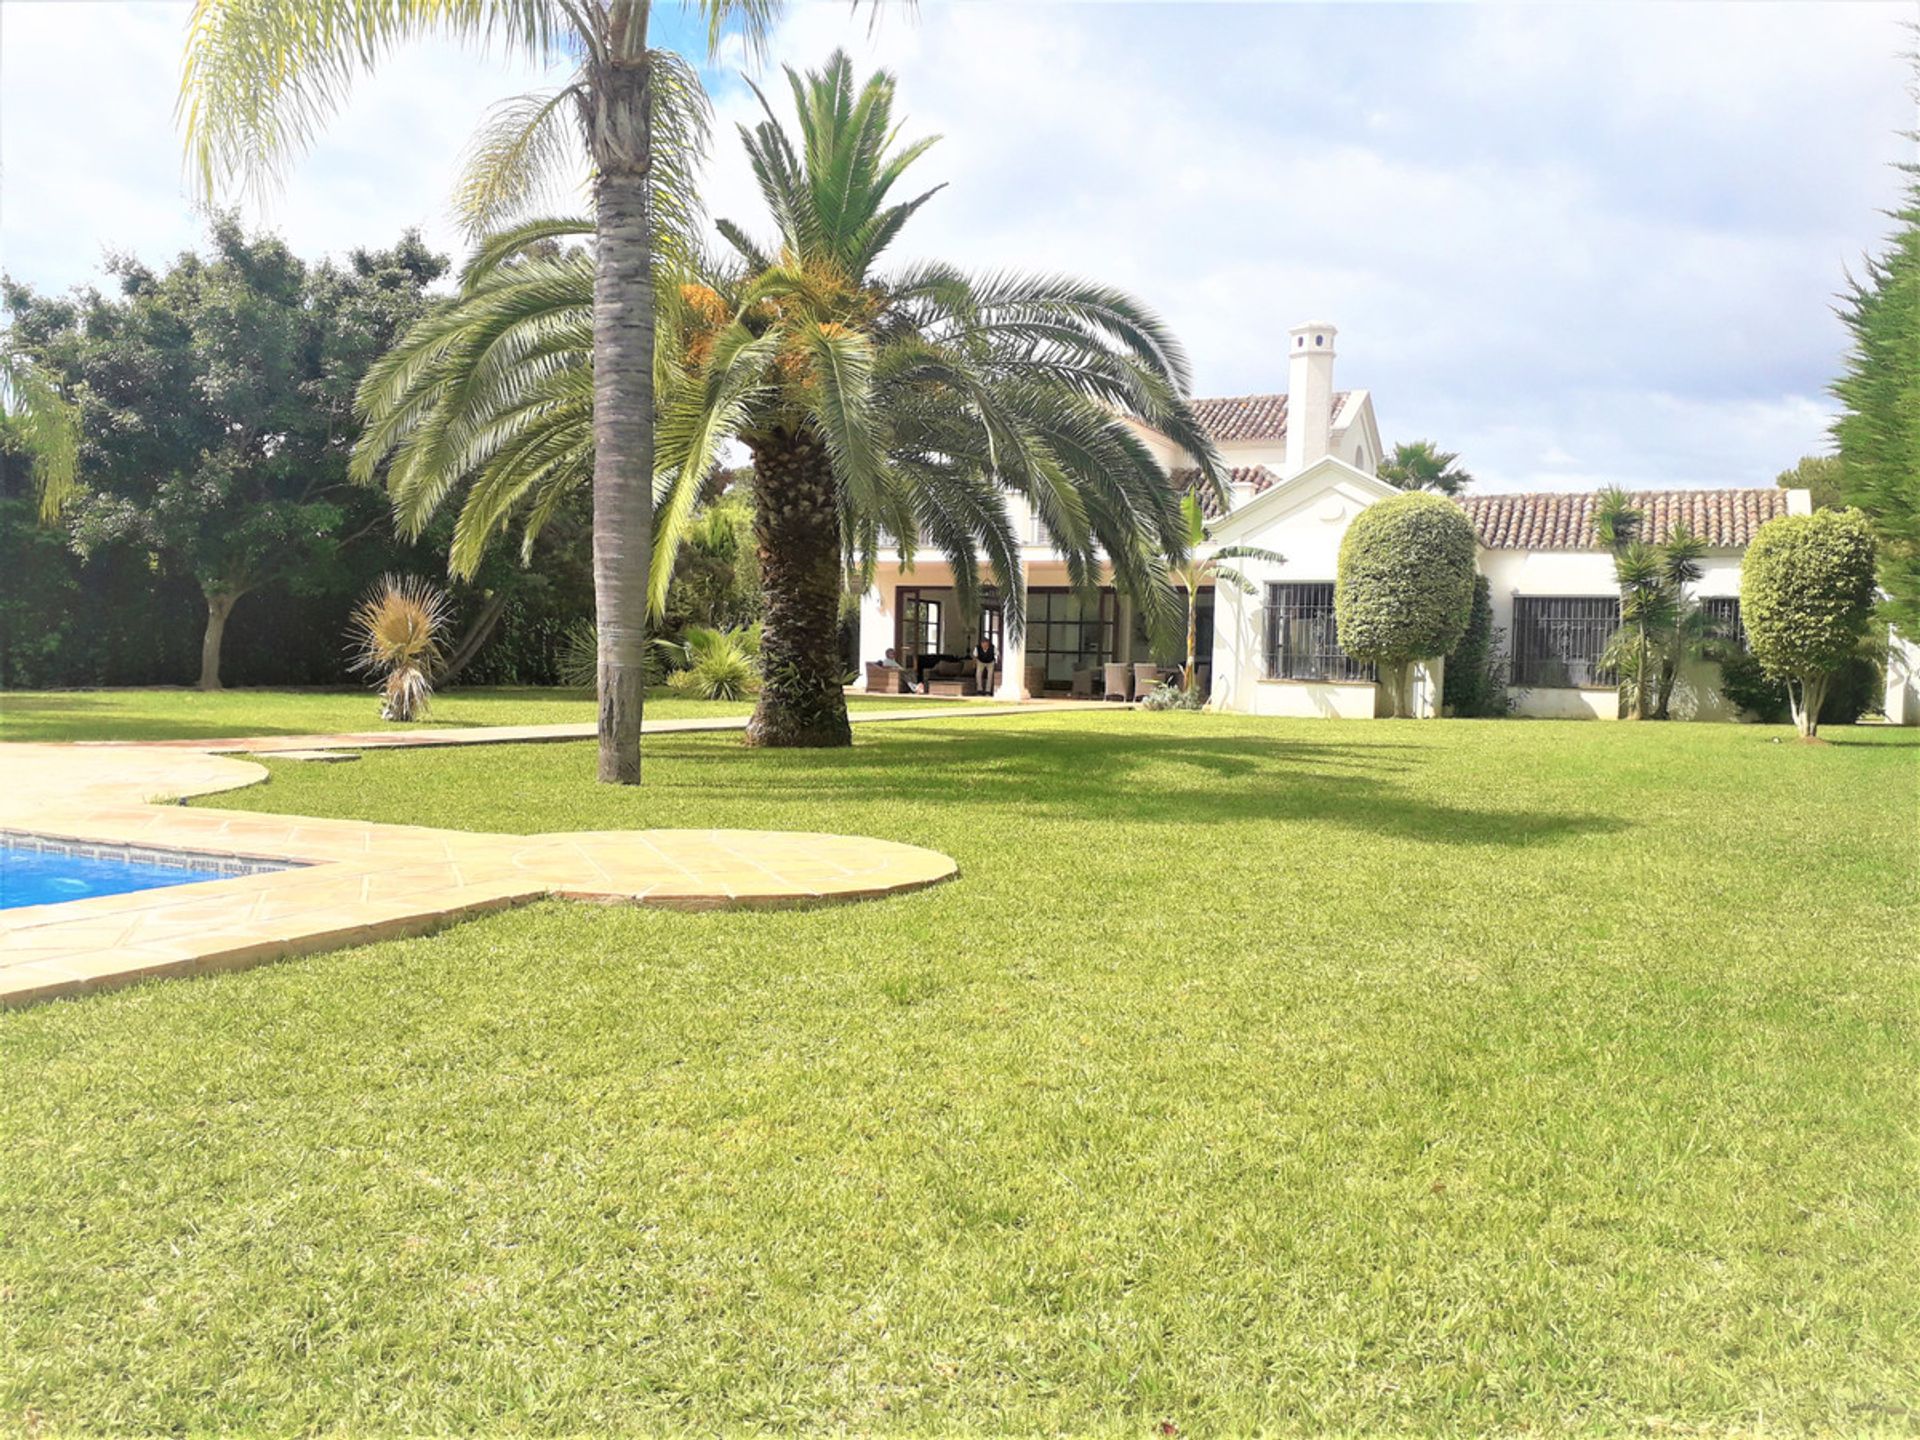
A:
<point x="721" y="664"/>
<point x="396" y="634"/>
<point x="909" y="404"/>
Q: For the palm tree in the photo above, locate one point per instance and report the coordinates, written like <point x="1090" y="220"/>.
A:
<point x="1690" y="632"/>
<point x="1421" y="465"/>
<point x="46" y="425"/>
<point x="260" y="76"/>
<point x="1198" y="570"/>
<point x="1660" y="626"/>
<point x="909" y="404"/>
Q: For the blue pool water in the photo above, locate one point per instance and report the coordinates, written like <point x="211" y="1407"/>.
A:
<point x="33" y="876"/>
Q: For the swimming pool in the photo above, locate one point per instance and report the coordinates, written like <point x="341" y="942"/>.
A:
<point x="35" y="870"/>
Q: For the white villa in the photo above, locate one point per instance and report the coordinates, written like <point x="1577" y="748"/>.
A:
<point x="1303" y="465"/>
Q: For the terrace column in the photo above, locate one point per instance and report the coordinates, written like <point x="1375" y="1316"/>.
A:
<point x="1012" y="681"/>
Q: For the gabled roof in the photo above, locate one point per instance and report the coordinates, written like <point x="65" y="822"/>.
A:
<point x="1724" y="519"/>
<point x="1258" y="478"/>
<point x="1248" y="417"/>
<point x="1328" y="472"/>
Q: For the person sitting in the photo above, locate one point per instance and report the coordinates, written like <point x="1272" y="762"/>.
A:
<point x="985" y="657"/>
<point x="891" y="661"/>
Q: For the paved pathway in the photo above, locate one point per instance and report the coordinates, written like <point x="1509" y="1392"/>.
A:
<point x="353" y="881"/>
<point x="426" y="737"/>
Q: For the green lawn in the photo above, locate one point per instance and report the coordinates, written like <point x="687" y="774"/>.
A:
<point x="1452" y="1077"/>
<point x="169" y="714"/>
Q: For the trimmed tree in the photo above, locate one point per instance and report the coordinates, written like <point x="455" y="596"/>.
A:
<point x="1404" y="590"/>
<point x="1806" y="596"/>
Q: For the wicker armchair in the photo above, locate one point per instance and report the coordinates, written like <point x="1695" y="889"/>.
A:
<point x="1145" y="679"/>
<point x="1116" y="677"/>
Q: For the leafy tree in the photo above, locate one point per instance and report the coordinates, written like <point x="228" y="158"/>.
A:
<point x="716" y="575"/>
<point x="261" y="75"/>
<point x="1420" y="465"/>
<point x="1823" y="475"/>
<point x="1878" y="434"/>
<point x="1806" y="597"/>
<point x="910" y="404"/>
<point x="1404" y="588"/>
<point x="1199" y="570"/>
<point x="216" y="404"/>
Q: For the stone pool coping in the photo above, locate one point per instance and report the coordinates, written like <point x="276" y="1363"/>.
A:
<point x="358" y="881"/>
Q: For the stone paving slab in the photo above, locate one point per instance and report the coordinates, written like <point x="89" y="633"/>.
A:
<point x="353" y="881"/>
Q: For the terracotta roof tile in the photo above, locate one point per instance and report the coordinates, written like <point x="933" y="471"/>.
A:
<point x="1248" y="417"/>
<point x="1725" y="519"/>
<point x="1258" y="477"/>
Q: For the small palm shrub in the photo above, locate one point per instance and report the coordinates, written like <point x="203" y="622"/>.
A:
<point x="396" y="635"/>
<point x="578" y="665"/>
<point x="721" y="664"/>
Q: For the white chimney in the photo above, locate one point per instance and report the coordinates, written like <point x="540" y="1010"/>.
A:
<point x="1309" y="396"/>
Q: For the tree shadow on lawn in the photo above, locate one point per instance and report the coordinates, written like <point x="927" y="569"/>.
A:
<point x="50" y="719"/>
<point x="1129" y="778"/>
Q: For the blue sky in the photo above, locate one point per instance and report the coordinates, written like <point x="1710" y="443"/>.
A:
<point x="1578" y="243"/>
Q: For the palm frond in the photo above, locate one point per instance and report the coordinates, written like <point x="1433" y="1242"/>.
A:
<point x="515" y="159"/>
<point x="260" y="77"/>
<point x="47" y="424"/>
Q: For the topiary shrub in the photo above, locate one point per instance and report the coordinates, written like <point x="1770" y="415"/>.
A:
<point x="1404" y="591"/>
<point x="1806" y="597"/>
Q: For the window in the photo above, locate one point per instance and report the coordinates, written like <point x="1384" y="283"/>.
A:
<point x="1068" y="630"/>
<point x="1302" y="642"/>
<point x="919" y="622"/>
<point x="1558" y="642"/>
<point x="992" y="628"/>
<point x="1171" y="649"/>
<point x="1724" y="612"/>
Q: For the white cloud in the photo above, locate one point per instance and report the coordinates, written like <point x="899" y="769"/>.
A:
<point x="1571" y="242"/>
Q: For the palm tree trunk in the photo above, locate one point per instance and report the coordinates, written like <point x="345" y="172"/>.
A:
<point x="622" y="406"/>
<point x="1193" y="634"/>
<point x="220" y="605"/>
<point x="796" y="526"/>
<point x="1640" y="678"/>
<point x="1663" y="694"/>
